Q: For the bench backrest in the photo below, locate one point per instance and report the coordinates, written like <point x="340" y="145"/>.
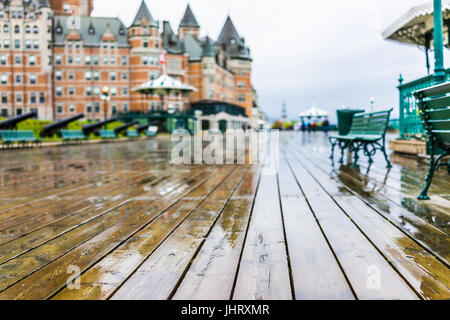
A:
<point x="132" y="133"/>
<point x="10" y="135"/>
<point x="107" y="134"/>
<point x="434" y="107"/>
<point x="71" y="133"/>
<point x="375" y="123"/>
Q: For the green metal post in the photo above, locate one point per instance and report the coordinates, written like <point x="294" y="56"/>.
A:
<point x="105" y="113"/>
<point x="439" y="71"/>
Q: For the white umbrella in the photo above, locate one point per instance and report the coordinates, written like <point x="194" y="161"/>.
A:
<point x="314" y="112"/>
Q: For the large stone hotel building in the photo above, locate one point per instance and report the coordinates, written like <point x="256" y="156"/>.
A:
<point x="55" y="58"/>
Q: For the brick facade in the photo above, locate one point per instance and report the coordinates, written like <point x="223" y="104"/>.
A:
<point x="57" y="63"/>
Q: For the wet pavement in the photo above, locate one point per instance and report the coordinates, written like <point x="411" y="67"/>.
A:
<point x="133" y="226"/>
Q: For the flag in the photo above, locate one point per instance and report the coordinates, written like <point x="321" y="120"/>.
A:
<point x="162" y="58"/>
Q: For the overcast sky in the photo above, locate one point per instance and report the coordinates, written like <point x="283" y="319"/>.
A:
<point x="324" y="53"/>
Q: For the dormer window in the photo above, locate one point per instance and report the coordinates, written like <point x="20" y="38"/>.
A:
<point x="122" y="31"/>
<point x="66" y="7"/>
<point x="91" y="30"/>
<point x="233" y="41"/>
<point x="59" y="29"/>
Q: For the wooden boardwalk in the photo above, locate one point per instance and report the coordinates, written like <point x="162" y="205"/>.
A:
<point x="138" y="228"/>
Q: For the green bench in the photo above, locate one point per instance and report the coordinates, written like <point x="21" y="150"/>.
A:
<point x="367" y="133"/>
<point x="10" y="137"/>
<point x="72" y="135"/>
<point x="434" y="107"/>
<point x="132" y="134"/>
<point x="108" y="134"/>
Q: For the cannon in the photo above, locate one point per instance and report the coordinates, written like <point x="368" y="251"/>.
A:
<point x="123" y="128"/>
<point x="95" y="127"/>
<point x="11" y="123"/>
<point x="51" y="129"/>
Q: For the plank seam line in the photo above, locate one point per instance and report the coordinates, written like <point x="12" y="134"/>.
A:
<point x="233" y="287"/>
<point x="202" y="242"/>
<point x="78" y="245"/>
<point x="407" y="234"/>
<point x="323" y="232"/>
<point x="136" y="231"/>
<point x="291" y="276"/>
<point x="364" y="234"/>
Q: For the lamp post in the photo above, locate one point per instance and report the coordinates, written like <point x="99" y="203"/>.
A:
<point x="439" y="71"/>
<point x="372" y="104"/>
<point x="105" y="98"/>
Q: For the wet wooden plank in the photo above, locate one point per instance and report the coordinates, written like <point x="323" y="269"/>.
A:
<point x="217" y="262"/>
<point x="91" y="251"/>
<point x="263" y="272"/>
<point x="426" y="234"/>
<point x="315" y="270"/>
<point x="358" y="257"/>
<point x="159" y="275"/>
<point x="105" y="277"/>
<point x="429" y="277"/>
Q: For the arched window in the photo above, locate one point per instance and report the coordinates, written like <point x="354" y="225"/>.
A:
<point x="35" y="29"/>
<point x="27" y="29"/>
<point x="5" y="28"/>
<point x="16" y="29"/>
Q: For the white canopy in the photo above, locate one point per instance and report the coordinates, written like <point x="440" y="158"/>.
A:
<point x="412" y="27"/>
<point x="314" y="112"/>
<point x="164" y="85"/>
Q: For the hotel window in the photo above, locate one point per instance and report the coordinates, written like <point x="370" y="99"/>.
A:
<point x="58" y="75"/>
<point x="113" y="91"/>
<point x="96" y="90"/>
<point x="97" y="107"/>
<point x="125" y="107"/>
<point x="105" y="61"/>
<point x="16" y="29"/>
<point x="32" y="78"/>
<point x="71" y="108"/>
<point x="2" y="14"/>
<point x="124" y="60"/>
<point x="6" y="44"/>
<point x="59" y="108"/>
<point x="88" y="108"/>
<point x="87" y="60"/>
<point x="36" y="44"/>
<point x="4" y="98"/>
<point x="59" y="91"/>
<point x="17" y="44"/>
<point x="113" y="75"/>
<point x="66" y="7"/>
<point x="69" y="60"/>
<point x="19" y="14"/>
<point x="71" y="75"/>
<point x="151" y="60"/>
<point x="4" y="111"/>
<point x="113" y="60"/>
<point x="19" y="111"/>
<point x="4" y="79"/>
<point x="114" y="108"/>
<point x="145" y="44"/>
<point x="58" y="59"/>
<point x="242" y="98"/>
<point x="18" y="78"/>
<point x="71" y="91"/>
<point x="105" y="45"/>
<point x="27" y="29"/>
<point x="33" y="99"/>
<point x="78" y="44"/>
<point x="28" y="44"/>
<point x="5" y="28"/>
<point x="96" y="75"/>
<point x="124" y="91"/>
<point x="35" y="29"/>
<point x="19" y="98"/>
<point x="124" y="76"/>
<point x="112" y="45"/>
<point x="32" y="60"/>
<point x="77" y="60"/>
<point x="95" y="60"/>
<point x="69" y="44"/>
<point x="88" y="91"/>
<point x="241" y="84"/>
<point x="3" y="59"/>
<point x="18" y="60"/>
<point x="144" y="60"/>
<point x="88" y="75"/>
<point x="42" y="98"/>
<point x="211" y="93"/>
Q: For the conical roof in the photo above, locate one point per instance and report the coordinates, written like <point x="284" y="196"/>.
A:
<point x="189" y="20"/>
<point x="229" y="32"/>
<point x="144" y="13"/>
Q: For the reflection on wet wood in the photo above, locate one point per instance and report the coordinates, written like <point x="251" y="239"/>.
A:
<point x="138" y="227"/>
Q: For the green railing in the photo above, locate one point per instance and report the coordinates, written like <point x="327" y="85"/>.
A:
<point x="410" y="124"/>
